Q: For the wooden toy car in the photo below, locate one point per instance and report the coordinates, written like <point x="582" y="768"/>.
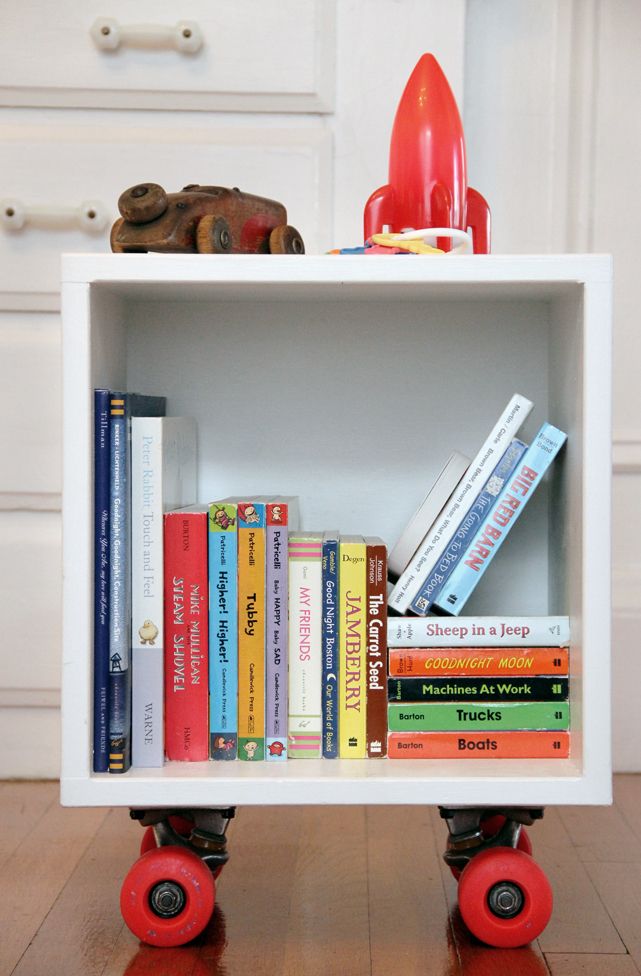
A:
<point x="202" y="219"/>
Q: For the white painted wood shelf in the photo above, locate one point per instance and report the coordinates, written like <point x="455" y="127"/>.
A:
<point x="347" y="381"/>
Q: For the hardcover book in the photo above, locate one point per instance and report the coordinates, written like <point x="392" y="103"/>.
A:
<point x="478" y="745"/>
<point x="330" y="647"/>
<point x="352" y="596"/>
<point x="487" y="689"/>
<point x="163" y="477"/>
<point x="478" y="632"/>
<point x="102" y="468"/>
<point x="123" y="406"/>
<point x="305" y="666"/>
<point x="501" y="518"/>
<point x="475" y="717"/>
<point x="251" y="630"/>
<point x="426" y="514"/>
<point x="223" y="630"/>
<point x="438" y="538"/>
<point x="375" y="634"/>
<point x="469" y="661"/>
<point x="186" y="635"/>
<point x="439" y="574"/>
<point x="279" y="512"/>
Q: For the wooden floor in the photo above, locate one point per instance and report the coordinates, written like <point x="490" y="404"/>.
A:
<point x="350" y="891"/>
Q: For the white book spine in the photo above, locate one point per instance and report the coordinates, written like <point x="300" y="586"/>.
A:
<point x="305" y="656"/>
<point x="478" y="632"/>
<point x="437" y="540"/>
<point x="163" y="477"/>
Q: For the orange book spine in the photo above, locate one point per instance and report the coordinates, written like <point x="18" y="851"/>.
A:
<point x="468" y="661"/>
<point x="478" y="745"/>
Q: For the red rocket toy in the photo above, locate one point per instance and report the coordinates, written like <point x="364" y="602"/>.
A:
<point x="427" y="166"/>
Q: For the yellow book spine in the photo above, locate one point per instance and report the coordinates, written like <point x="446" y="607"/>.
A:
<point x="352" y="694"/>
<point x="251" y="632"/>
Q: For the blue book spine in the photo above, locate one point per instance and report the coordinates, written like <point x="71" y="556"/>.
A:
<point x="329" y="637"/>
<point x="223" y="631"/>
<point x="502" y="516"/>
<point x="102" y="467"/>
<point x="119" y="685"/>
<point x="431" y="589"/>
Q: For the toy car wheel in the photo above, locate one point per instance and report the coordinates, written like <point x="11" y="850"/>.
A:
<point x="504" y="897"/>
<point x="142" y="203"/>
<point x="286" y="240"/>
<point x="113" y="237"/>
<point x="213" y="235"/>
<point x="168" y="897"/>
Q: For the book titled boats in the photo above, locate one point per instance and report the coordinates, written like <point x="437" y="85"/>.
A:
<point x="479" y="745"/>
<point x="186" y="635"/>
<point x="501" y="519"/>
<point x="223" y="631"/>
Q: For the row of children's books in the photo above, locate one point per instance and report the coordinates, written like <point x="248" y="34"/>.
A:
<point x="221" y="631"/>
<point x="483" y="688"/>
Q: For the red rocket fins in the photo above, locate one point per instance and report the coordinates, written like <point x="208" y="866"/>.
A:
<point x="379" y="211"/>
<point x="479" y="220"/>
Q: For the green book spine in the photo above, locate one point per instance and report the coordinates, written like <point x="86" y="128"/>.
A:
<point x="470" y="716"/>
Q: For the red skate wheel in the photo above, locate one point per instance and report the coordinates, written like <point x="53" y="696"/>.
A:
<point x="181" y="825"/>
<point x="168" y="897"/>
<point x="504" y="897"/>
<point x="490" y="828"/>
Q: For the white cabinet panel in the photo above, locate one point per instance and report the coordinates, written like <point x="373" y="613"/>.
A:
<point x="257" y="55"/>
<point x="65" y="164"/>
<point x="31" y="581"/>
<point x="31" y="403"/>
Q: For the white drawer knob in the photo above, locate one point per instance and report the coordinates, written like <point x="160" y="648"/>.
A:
<point x="90" y="216"/>
<point x="109" y="35"/>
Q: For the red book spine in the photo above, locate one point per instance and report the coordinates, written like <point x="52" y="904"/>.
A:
<point x="186" y="636"/>
<point x="376" y="636"/>
<point x="479" y="745"/>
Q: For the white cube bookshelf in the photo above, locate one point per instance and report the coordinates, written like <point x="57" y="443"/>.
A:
<point x="348" y="381"/>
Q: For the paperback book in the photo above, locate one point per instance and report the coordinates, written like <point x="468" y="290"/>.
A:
<point x="102" y="468"/>
<point x="440" y="534"/>
<point x="500" y="520"/>
<point x="487" y="689"/>
<point x="279" y="513"/>
<point x="471" y="661"/>
<point x="475" y="717"/>
<point x="251" y="630"/>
